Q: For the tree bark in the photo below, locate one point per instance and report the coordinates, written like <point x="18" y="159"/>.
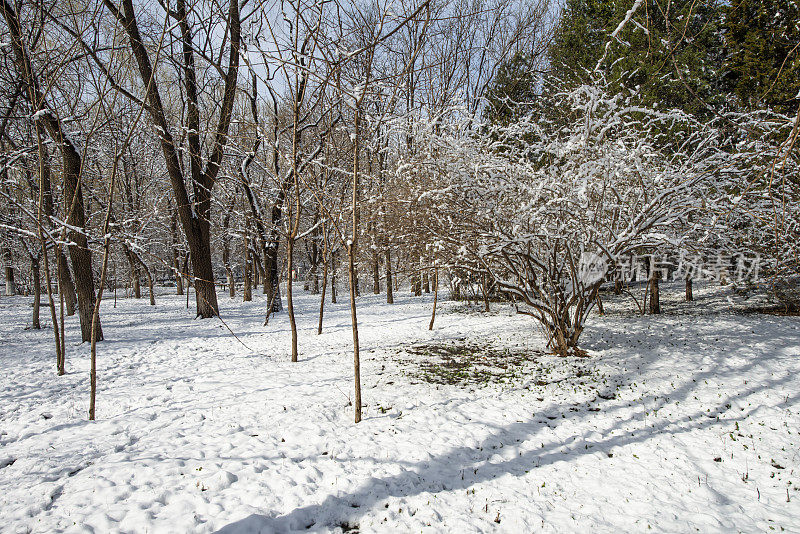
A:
<point x="388" y="267"/>
<point x="322" y="294"/>
<point x="333" y="278"/>
<point x="134" y="266"/>
<point x="289" y="294"/>
<point x="655" y="304"/>
<point x="485" y="291"/>
<point x="11" y="286"/>
<point x="247" y="290"/>
<point x="689" y="294"/>
<point x="37" y="291"/>
<point x="176" y="260"/>
<point x="435" y="296"/>
<point x="376" y="274"/>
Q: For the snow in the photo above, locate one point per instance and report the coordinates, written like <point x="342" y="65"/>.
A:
<point x="679" y="422"/>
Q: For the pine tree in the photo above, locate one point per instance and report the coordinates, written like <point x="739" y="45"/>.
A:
<point x="763" y="56"/>
<point x="513" y="90"/>
<point x="671" y="52"/>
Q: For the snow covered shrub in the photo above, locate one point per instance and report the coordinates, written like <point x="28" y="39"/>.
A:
<point x="762" y="206"/>
<point x="546" y="205"/>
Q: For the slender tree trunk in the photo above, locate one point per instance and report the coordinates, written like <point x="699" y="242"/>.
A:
<point x="315" y="260"/>
<point x="45" y="196"/>
<point x="267" y="272"/>
<point x="485" y="291"/>
<point x="376" y="274"/>
<point x="62" y="334"/>
<point x="351" y="262"/>
<point x="178" y="274"/>
<point x="231" y="284"/>
<point x="226" y="249"/>
<point x="96" y="309"/>
<point x="289" y="293"/>
<point x="416" y="280"/>
<point x="354" y="321"/>
<point x="11" y="286"/>
<point x="689" y="294"/>
<point x="333" y="278"/>
<point x="176" y="262"/>
<point x="186" y="271"/>
<point x="388" y="267"/>
<point x="149" y="277"/>
<point x="37" y="291"/>
<point x="322" y="294"/>
<point x="435" y="296"/>
<point x="247" y="290"/>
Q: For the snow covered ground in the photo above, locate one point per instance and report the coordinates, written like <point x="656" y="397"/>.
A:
<point x="684" y="422"/>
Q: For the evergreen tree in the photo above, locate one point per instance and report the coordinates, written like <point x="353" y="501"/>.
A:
<point x="513" y="90"/>
<point x="763" y="57"/>
<point x="671" y="51"/>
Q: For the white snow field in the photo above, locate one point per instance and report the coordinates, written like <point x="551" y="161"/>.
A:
<point x="683" y="422"/>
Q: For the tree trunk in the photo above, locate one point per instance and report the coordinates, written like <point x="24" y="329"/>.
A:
<point x="376" y="274"/>
<point x="655" y="304"/>
<point x="186" y="271"/>
<point x="435" y="296"/>
<point x="231" y="285"/>
<point x="314" y="264"/>
<point x="274" y="288"/>
<point x="322" y="294"/>
<point x="351" y="271"/>
<point x="689" y="295"/>
<point x="137" y="290"/>
<point x="176" y="262"/>
<point x="247" y="290"/>
<point x="416" y="280"/>
<point x="65" y="282"/>
<point x="388" y="266"/>
<point x="289" y="294"/>
<point x="333" y="278"/>
<point x="226" y="249"/>
<point x="37" y="291"/>
<point x="203" y="271"/>
<point x="79" y="250"/>
<point x="11" y="286"/>
<point x="485" y="291"/>
<point x="256" y="269"/>
<point x="149" y="277"/>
